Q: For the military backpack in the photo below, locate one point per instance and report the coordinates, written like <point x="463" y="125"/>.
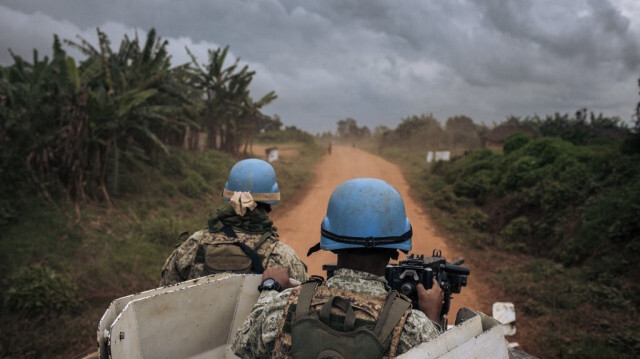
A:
<point x="231" y="256"/>
<point x="327" y="335"/>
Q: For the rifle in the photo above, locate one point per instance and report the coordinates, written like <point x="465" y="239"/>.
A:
<point x="405" y="276"/>
<point x="451" y="276"/>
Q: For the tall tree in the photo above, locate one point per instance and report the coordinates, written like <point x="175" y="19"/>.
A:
<point x="229" y="110"/>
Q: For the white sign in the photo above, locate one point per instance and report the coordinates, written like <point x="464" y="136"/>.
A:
<point x="429" y="157"/>
<point x="272" y="156"/>
<point x="438" y="156"/>
<point x="443" y="156"/>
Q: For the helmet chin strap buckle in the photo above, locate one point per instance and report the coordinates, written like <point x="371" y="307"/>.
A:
<point x="369" y="242"/>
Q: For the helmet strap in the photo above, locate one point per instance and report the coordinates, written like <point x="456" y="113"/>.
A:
<point x="367" y="242"/>
<point x="313" y="249"/>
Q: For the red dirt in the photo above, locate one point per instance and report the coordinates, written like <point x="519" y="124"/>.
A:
<point x="299" y="225"/>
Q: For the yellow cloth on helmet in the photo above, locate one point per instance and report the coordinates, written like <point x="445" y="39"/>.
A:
<point x="241" y="201"/>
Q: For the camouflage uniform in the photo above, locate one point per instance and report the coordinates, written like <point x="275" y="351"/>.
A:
<point x="181" y="265"/>
<point x="257" y="336"/>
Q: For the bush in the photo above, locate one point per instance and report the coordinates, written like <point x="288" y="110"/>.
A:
<point x="214" y="167"/>
<point x="610" y="219"/>
<point x="476" y="219"/>
<point x="517" y="231"/>
<point x="194" y="185"/>
<point x="161" y="229"/>
<point x="476" y="186"/>
<point x="442" y="196"/>
<point x="173" y="165"/>
<point x="39" y="290"/>
<point x="521" y="173"/>
<point x="167" y="189"/>
<point x="515" y="142"/>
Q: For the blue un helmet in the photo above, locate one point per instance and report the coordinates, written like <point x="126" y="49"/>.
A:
<point x="256" y="177"/>
<point x="365" y="213"/>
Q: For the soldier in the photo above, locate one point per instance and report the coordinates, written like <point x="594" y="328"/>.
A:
<point x="353" y="314"/>
<point x="241" y="238"/>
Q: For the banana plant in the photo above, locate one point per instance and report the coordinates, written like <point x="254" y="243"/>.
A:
<point x="228" y="104"/>
<point x="136" y="100"/>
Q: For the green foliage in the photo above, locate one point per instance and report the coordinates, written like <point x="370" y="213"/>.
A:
<point x="590" y="319"/>
<point x="610" y="229"/>
<point x="161" y="228"/>
<point x="71" y="128"/>
<point x="474" y="218"/>
<point x="515" y="233"/>
<point x="37" y="290"/>
<point x="581" y="129"/>
<point x="476" y="185"/>
<point x="545" y="184"/>
<point x="567" y="207"/>
<point x="442" y="196"/>
<point x="103" y="252"/>
<point x="193" y="185"/>
<point x="559" y="212"/>
<point x="173" y="165"/>
<point x="515" y="142"/>
<point x="228" y="112"/>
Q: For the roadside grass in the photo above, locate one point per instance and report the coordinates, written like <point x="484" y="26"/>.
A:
<point x="562" y="312"/>
<point x="90" y="255"/>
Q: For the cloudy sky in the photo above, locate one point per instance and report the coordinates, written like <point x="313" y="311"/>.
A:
<point x="379" y="61"/>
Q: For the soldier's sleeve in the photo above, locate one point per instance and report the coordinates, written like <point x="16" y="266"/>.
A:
<point x="170" y="273"/>
<point x="173" y="266"/>
<point x="417" y="329"/>
<point x="285" y="257"/>
<point x="257" y="336"/>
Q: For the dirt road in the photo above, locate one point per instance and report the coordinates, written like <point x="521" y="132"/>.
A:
<point x="299" y="225"/>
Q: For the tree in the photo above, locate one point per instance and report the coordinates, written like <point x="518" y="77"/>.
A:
<point x="462" y="132"/>
<point x="230" y="115"/>
<point x="134" y="96"/>
<point x="348" y="129"/>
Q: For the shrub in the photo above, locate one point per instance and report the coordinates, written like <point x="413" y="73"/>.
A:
<point x="610" y="219"/>
<point x="173" y="165"/>
<point x="444" y="199"/>
<point x="514" y="234"/>
<point x="475" y="219"/>
<point x="516" y="141"/>
<point x="194" y="185"/>
<point x="160" y="229"/>
<point x="545" y="150"/>
<point x="39" y="290"/>
<point x="521" y="173"/>
<point x="206" y="170"/>
<point x="168" y="189"/>
<point x="476" y="186"/>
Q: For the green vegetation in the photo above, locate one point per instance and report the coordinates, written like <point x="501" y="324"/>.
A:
<point x="557" y="211"/>
<point x="67" y="127"/>
<point x="102" y="170"/>
<point x="66" y="262"/>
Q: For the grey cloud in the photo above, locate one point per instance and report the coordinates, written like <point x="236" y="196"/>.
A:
<point x="601" y="35"/>
<point x="380" y="61"/>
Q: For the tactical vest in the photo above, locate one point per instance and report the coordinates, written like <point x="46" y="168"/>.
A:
<point x="330" y="323"/>
<point x="231" y="252"/>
